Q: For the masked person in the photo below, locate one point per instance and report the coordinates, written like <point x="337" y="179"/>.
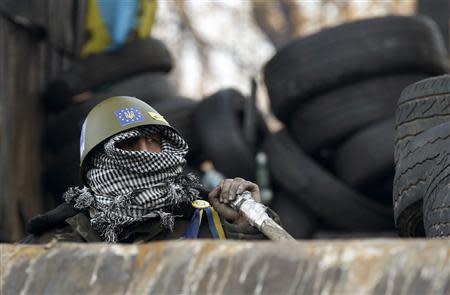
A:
<point x="131" y="162"/>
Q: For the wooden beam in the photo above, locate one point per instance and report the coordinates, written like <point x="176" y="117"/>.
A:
<point x="27" y="63"/>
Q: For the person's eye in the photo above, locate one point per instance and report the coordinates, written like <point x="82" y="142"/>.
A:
<point x="152" y="140"/>
<point x="126" y="144"/>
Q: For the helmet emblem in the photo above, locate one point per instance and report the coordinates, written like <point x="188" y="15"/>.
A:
<point x="157" y="117"/>
<point x="129" y="116"/>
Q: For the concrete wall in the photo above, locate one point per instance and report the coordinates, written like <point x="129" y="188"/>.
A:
<point x="211" y="267"/>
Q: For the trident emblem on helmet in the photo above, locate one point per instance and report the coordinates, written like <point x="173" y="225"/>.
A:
<point x="129" y="114"/>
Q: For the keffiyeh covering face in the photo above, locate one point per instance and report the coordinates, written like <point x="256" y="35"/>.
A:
<point x="131" y="186"/>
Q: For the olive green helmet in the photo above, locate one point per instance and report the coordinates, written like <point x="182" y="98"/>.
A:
<point x="112" y="116"/>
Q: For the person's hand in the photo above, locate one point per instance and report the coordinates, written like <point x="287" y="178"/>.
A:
<point x="226" y="192"/>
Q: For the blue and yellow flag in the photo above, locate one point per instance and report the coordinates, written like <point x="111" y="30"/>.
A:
<point x="111" y="23"/>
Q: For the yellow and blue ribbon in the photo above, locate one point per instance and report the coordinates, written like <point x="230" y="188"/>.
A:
<point x="214" y="223"/>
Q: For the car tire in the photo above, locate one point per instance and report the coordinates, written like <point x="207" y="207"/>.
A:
<point x="353" y="51"/>
<point x="179" y="112"/>
<point x="147" y="55"/>
<point x="218" y="120"/>
<point x="420" y="169"/>
<point x="436" y="199"/>
<point x="329" y="198"/>
<point x="422" y="105"/>
<point x="330" y="118"/>
<point x="367" y="156"/>
<point x="295" y="218"/>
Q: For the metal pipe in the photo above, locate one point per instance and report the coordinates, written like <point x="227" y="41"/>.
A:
<point x="257" y="216"/>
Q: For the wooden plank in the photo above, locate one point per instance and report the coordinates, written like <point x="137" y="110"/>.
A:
<point x="61" y="20"/>
<point x="20" y="121"/>
<point x="26" y="66"/>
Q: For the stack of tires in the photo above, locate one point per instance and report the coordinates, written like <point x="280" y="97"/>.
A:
<point x="422" y="150"/>
<point x="231" y="133"/>
<point x="336" y="92"/>
<point x="139" y="69"/>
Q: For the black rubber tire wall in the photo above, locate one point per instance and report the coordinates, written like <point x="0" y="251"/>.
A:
<point x="149" y="87"/>
<point x="218" y="124"/>
<point x="368" y="155"/>
<point x="436" y="199"/>
<point x="349" y="52"/>
<point x="92" y="72"/>
<point x="380" y="190"/>
<point x="295" y="217"/>
<point x="411" y="174"/>
<point x="330" y="199"/>
<point x="422" y="105"/>
<point x="419" y="170"/>
<point x="179" y="112"/>
<point x="439" y="11"/>
<point x="328" y="119"/>
<point x="437" y="208"/>
<point x="410" y="221"/>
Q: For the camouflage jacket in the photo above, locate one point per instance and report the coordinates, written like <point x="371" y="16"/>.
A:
<point x="77" y="228"/>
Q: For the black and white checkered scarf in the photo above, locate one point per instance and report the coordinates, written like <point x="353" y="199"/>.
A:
<point x="132" y="186"/>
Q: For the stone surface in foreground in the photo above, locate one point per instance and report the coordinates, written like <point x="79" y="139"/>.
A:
<point x="191" y="267"/>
